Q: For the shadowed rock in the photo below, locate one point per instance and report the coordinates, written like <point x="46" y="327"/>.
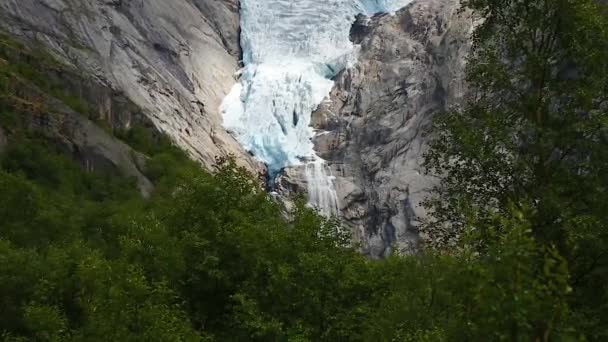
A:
<point x="411" y="67"/>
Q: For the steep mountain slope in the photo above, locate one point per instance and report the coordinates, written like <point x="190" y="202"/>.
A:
<point x="411" y="66"/>
<point x="169" y="64"/>
<point x="42" y="98"/>
<point x="175" y="60"/>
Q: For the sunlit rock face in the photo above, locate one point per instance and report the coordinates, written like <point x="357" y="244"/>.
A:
<point x="410" y="67"/>
<point x="292" y="51"/>
<point x="175" y="59"/>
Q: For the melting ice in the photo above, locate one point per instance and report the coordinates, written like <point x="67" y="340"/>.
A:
<point x="291" y="51"/>
<point x="386" y="6"/>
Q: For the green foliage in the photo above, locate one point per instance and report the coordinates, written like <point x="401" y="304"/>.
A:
<point x="21" y="65"/>
<point x="533" y="130"/>
<point x="167" y="166"/>
<point x="221" y="257"/>
<point x="215" y="259"/>
<point x="516" y="292"/>
<point x="531" y="139"/>
<point x="143" y="139"/>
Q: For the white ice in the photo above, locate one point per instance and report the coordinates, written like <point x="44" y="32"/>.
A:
<point x="291" y="51"/>
<point x="386" y="6"/>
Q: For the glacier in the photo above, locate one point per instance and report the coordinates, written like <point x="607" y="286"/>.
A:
<point x="383" y="6"/>
<point x="291" y="52"/>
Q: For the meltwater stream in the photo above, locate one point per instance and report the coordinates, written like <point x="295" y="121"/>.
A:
<point x="291" y="51"/>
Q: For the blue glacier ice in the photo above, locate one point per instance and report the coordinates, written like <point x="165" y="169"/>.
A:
<point x="383" y="6"/>
<point x="291" y="51"/>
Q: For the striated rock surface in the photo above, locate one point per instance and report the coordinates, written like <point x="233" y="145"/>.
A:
<point x="371" y="129"/>
<point x="81" y="138"/>
<point x="175" y="60"/>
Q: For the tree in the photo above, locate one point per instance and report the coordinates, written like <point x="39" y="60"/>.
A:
<point x="517" y="291"/>
<point x="530" y="137"/>
<point x="535" y="123"/>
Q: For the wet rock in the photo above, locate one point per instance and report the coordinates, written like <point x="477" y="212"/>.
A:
<point x="371" y="131"/>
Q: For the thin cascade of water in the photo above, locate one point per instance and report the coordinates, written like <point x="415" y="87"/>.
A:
<point x="291" y="51"/>
<point x="321" y="188"/>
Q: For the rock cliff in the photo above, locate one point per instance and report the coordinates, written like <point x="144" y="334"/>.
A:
<point x="175" y="60"/>
<point x="172" y="63"/>
<point x="371" y="128"/>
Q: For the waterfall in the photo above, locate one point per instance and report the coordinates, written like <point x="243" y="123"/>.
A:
<point x="321" y="188"/>
<point x="291" y="51"/>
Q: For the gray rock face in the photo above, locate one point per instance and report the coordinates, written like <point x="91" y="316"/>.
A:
<point x="78" y="136"/>
<point x="411" y="66"/>
<point x="174" y="59"/>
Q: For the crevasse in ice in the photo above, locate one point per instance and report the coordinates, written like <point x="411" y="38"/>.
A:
<point x="291" y="51"/>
